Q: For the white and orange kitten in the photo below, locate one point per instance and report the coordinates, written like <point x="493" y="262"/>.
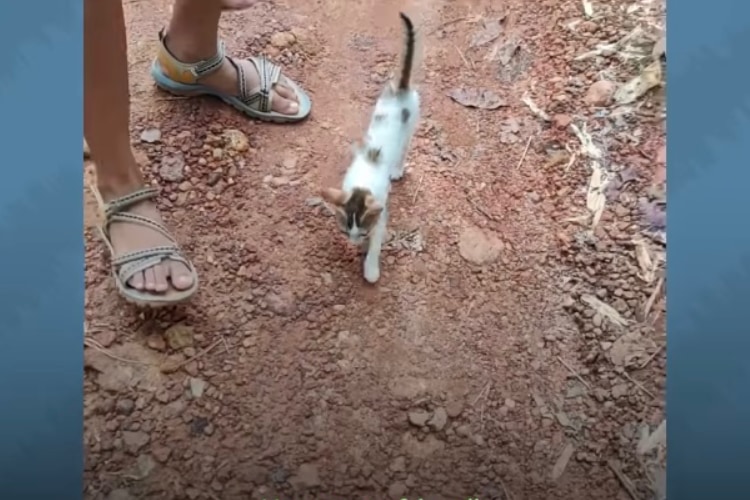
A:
<point x="360" y="205"/>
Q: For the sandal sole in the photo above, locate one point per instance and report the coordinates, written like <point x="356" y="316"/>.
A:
<point x="184" y="90"/>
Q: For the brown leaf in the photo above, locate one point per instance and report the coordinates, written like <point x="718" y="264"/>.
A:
<point x="491" y="29"/>
<point x="507" y="50"/>
<point x="477" y="98"/>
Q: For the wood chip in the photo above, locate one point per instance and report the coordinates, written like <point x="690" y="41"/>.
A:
<point x="562" y="461"/>
<point x="605" y="310"/>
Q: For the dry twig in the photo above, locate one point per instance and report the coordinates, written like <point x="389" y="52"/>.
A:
<point x="525" y="150"/>
<point x="624" y="480"/>
<point x="575" y="373"/>
<point x="175" y="367"/>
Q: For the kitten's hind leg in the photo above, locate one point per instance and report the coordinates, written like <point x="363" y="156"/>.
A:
<point x="372" y="259"/>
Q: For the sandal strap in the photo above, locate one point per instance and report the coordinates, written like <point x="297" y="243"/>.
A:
<point x="130" y="264"/>
<point x="269" y="75"/>
<point x="189" y="72"/>
<point x="121" y="204"/>
<point x="133" y="262"/>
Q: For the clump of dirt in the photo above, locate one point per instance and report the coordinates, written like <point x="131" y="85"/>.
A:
<point x="514" y="347"/>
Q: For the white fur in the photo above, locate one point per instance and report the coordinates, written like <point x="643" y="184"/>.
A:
<point x="393" y="138"/>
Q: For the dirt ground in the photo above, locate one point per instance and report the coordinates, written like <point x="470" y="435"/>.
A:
<point x="514" y="347"/>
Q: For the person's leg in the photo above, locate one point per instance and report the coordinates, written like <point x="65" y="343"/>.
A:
<point x="192" y="37"/>
<point x="106" y="124"/>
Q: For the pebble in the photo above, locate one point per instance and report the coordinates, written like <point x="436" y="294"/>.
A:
<point x="418" y="417"/>
<point x="135" y="441"/>
<point x="477" y="247"/>
<point x="307" y="475"/>
<point x="197" y="387"/>
<point x="439" y="419"/>
<point x="397" y="490"/>
<point x="125" y="406"/>
<point x="600" y="93"/>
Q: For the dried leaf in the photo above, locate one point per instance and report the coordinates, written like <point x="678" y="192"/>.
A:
<point x="645" y="261"/>
<point x="596" y="197"/>
<point x="562" y="461"/>
<point x="477" y="98"/>
<point x="588" y="147"/>
<point x="604" y="310"/>
<point x="653" y="440"/>
<point x="637" y="87"/>
<point x="491" y="29"/>
<point x="505" y="50"/>
<point x="629" y="350"/>
<point x="526" y="99"/>
<point x="660" y="48"/>
<point x="588" y="9"/>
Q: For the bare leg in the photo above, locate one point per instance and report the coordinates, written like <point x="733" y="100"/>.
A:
<point x="193" y="37"/>
<point x="106" y="127"/>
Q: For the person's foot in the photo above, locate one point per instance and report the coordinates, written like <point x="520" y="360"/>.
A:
<point x="127" y="237"/>
<point x="226" y="79"/>
<point x="237" y="4"/>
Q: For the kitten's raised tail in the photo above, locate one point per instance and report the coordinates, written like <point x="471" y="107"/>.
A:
<point x="405" y="81"/>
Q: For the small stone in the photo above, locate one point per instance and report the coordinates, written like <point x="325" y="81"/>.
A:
<point x="283" y="39"/>
<point x="478" y="440"/>
<point x="398" y="464"/>
<point x="236" y="140"/>
<point x="281" y="304"/>
<point x="157" y="343"/>
<point x="279" y="181"/>
<point x="397" y="491"/>
<point x="161" y="453"/>
<point x="477" y="247"/>
<point x="106" y="339"/>
<point x="120" y="494"/>
<point x="439" y="419"/>
<point x="172" y="168"/>
<point x="307" y="476"/>
<point x="597" y="320"/>
<point x="151" y="135"/>
<point x="418" y="417"/>
<point x="463" y="430"/>
<point x="217" y="153"/>
<point x="561" y="121"/>
<point x="125" y="406"/>
<point x="509" y="403"/>
<point x="179" y="336"/>
<point x="197" y="387"/>
<point x="600" y="93"/>
<point x="213" y="178"/>
<point x="135" y="441"/>
<point x="454" y="408"/>
<point x="619" y="391"/>
<point x="146" y="465"/>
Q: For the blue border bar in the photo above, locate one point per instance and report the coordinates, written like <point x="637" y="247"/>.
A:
<point x="41" y="250"/>
<point x="708" y="390"/>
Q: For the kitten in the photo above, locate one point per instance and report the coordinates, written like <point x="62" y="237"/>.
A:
<point x="361" y="203"/>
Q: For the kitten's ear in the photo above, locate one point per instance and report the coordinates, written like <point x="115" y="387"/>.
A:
<point x="335" y="197"/>
<point x="372" y="207"/>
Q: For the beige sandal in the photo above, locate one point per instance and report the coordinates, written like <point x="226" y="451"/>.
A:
<point x="127" y="265"/>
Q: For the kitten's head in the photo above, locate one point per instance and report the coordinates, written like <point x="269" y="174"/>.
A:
<point x="356" y="212"/>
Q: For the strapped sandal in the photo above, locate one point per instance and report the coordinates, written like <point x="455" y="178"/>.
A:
<point x="182" y="79"/>
<point x="127" y="265"/>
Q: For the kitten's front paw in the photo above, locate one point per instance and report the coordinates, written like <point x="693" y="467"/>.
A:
<point x="397" y="176"/>
<point x="372" y="272"/>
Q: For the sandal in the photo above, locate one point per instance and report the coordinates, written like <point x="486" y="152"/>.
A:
<point x="127" y="265"/>
<point x="182" y="79"/>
